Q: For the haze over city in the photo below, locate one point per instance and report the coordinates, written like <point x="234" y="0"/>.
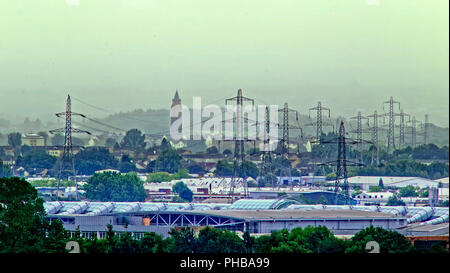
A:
<point x="128" y="54"/>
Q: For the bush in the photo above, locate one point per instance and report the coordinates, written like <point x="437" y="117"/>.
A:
<point x="115" y="187"/>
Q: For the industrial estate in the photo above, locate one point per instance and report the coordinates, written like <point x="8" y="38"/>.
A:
<point x="232" y="175"/>
<point x="297" y="184"/>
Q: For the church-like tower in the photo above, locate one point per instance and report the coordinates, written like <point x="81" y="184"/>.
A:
<point x="175" y="101"/>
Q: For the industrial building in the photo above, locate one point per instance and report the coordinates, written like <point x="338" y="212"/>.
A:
<point x="365" y="182"/>
<point x="257" y="216"/>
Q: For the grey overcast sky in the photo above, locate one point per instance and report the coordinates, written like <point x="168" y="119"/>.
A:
<point x="127" y="54"/>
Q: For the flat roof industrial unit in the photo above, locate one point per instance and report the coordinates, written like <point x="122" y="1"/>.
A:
<point x="256" y="216"/>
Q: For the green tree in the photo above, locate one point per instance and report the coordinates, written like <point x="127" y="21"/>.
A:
<point x="183" y="240"/>
<point x="15" y="141"/>
<point x="93" y="159"/>
<point x="159" y="177"/>
<point x="23" y="228"/>
<point x="168" y="161"/>
<point x="93" y="245"/>
<point x="249" y="169"/>
<point x="211" y="240"/>
<point x="56" y="239"/>
<point x="5" y="170"/>
<point x="110" y="186"/>
<point x="223" y="168"/>
<point x="180" y="174"/>
<point x="36" y="159"/>
<point x="110" y="142"/>
<point x="165" y="144"/>
<point x="395" y="201"/>
<point x="153" y="243"/>
<point x="389" y="241"/>
<point x="249" y="242"/>
<point x="375" y="189"/>
<point x="126" y="244"/>
<point x="133" y="140"/>
<point x="183" y="191"/>
<point x="227" y="152"/>
<point x="126" y="165"/>
<point x="380" y="183"/>
<point x="212" y="150"/>
<point x="408" y="191"/>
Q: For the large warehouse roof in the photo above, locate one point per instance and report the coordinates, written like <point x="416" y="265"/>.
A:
<point x="260" y="204"/>
<point x="298" y="214"/>
<point x="395" y="181"/>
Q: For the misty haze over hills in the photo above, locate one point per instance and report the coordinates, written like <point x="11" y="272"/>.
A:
<point x="157" y="122"/>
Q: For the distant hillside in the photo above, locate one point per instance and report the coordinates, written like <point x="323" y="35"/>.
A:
<point x="158" y="122"/>
<point x="149" y="122"/>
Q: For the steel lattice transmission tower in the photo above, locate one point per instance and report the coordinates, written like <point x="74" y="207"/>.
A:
<point x="426" y="130"/>
<point x="375" y="129"/>
<point x="239" y="141"/>
<point x="266" y="168"/>
<point x="284" y="143"/>
<point x="359" y="131"/>
<point x="413" y="128"/>
<point x="67" y="160"/>
<point x="319" y="120"/>
<point x="341" y="170"/>
<point x="402" y="127"/>
<point x="391" y="115"/>
<point x="342" y="162"/>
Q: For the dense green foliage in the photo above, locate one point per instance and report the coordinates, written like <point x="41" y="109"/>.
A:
<point x="395" y="201"/>
<point x="35" y="158"/>
<point x="90" y="160"/>
<point x="389" y="241"/>
<point x="183" y="191"/>
<point x="126" y="165"/>
<point x="424" y="152"/>
<point x="133" y="140"/>
<point x="408" y="191"/>
<point x="23" y="228"/>
<point x="5" y="170"/>
<point x="165" y="176"/>
<point x="298" y="240"/>
<point x="223" y="168"/>
<point x="115" y="187"/>
<point x="247" y="169"/>
<point x="159" y="177"/>
<point x="433" y="171"/>
<point x="15" y="139"/>
<point x="168" y="161"/>
<point x="52" y="183"/>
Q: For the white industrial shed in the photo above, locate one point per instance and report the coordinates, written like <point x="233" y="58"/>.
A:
<point x="365" y="182"/>
<point x="416" y="182"/>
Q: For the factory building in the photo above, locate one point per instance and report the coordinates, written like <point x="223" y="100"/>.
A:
<point x="256" y="216"/>
<point x="365" y="182"/>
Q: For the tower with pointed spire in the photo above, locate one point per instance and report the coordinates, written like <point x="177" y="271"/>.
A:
<point x="175" y="101"/>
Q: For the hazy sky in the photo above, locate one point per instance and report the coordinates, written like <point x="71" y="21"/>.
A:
<point x="130" y="54"/>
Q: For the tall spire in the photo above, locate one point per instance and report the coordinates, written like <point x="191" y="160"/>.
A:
<point x="176" y="99"/>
